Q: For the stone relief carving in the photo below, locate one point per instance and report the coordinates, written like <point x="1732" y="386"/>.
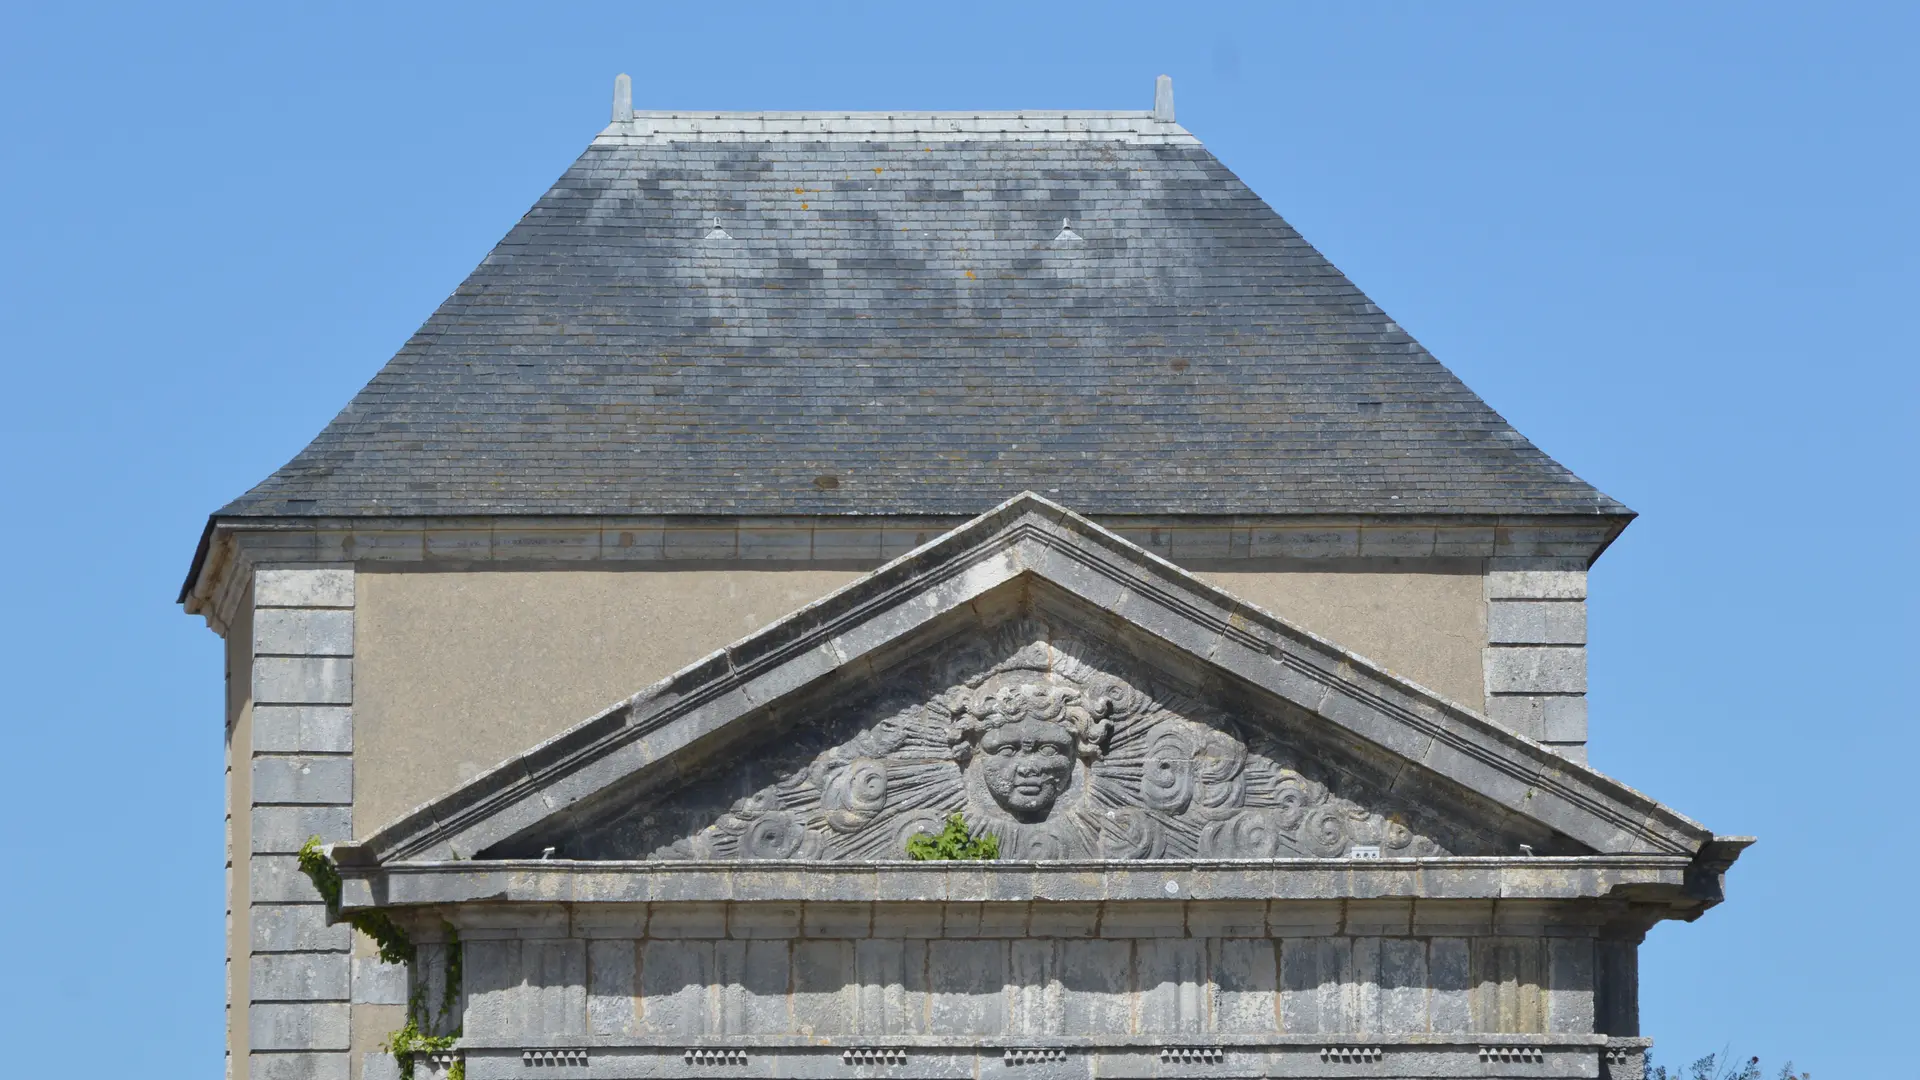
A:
<point x="1059" y="749"/>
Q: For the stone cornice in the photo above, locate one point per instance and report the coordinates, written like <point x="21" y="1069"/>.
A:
<point x="543" y="893"/>
<point x="230" y="547"/>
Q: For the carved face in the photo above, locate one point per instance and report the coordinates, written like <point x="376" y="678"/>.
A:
<point x="1026" y="765"/>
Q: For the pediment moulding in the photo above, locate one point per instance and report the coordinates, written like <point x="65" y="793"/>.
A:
<point x="1280" y="898"/>
<point x="233" y="547"/>
<point x="1075" y="694"/>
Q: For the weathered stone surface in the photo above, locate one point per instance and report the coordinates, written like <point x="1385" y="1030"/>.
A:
<point x="967" y="985"/>
<point x="1536" y="622"/>
<point x="318" y="588"/>
<point x="1548" y="717"/>
<point x="315" y="1026"/>
<point x="755" y="980"/>
<point x="302" y="729"/>
<point x="379" y="1065"/>
<point x="1536" y="585"/>
<point x="303" y="680"/>
<point x="313" y="779"/>
<point x="276" y="879"/>
<point x="674" y="979"/>
<point x="298" y="1065"/>
<point x="526" y="988"/>
<point x="612" y="990"/>
<point x="299" y="977"/>
<point x="1536" y="670"/>
<point x="300" y="927"/>
<point x="302" y="632"/>
<point x="282" y="829"/>
<point x="377" y="983"/>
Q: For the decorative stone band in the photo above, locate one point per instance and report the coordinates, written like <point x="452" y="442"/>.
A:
<point x="1111" y="1058"/>
<point x="1032" y="1055"/>
<point x="1521" y="1054"/>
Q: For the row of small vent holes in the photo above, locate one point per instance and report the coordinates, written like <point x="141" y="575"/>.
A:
<point x="868" y="1055"/>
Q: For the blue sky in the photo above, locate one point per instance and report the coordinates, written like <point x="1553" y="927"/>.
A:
<point x="1674" y="244"/>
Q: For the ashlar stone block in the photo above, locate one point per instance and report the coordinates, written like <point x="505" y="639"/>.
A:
<point x="298" y="1027"/>
<point x="303" y="632"/>
<point x="612" y="967"/>
<point x="1536" y="670"/>
<point x="317" y="588"/>
<point x="754" y="977"/>
<point x="296" y="928"/>
<point x="968" y="982"/>
<point x="303" y="779"/>
<point x="1537" y="622"/>
<point x="283" y="829"/>
<point x="1536" y="584"/>
<point x="299" y="977"/>
<point x="302" y="729"/>
<point x="303" y="680"/>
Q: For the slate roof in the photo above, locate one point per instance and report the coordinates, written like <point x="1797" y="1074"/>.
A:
<point x="786" y="314"/>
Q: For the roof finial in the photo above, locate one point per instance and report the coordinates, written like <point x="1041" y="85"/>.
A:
<point x="622" y="99"/>
<point x="1163" y="99"/>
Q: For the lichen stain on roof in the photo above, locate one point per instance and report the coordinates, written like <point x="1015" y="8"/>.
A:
<point x="664" y="333"/>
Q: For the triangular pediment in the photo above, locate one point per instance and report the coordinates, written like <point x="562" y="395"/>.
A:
<point x="1060" y="745"/>
<point x="1069" y="692"/>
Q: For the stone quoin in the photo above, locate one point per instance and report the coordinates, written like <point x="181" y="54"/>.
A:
<point x="784" y="484"/>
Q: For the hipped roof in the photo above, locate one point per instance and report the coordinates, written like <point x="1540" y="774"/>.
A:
<point x="801" y="314"/>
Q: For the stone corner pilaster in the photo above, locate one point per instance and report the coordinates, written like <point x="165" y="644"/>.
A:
<point x="299" y="986"/>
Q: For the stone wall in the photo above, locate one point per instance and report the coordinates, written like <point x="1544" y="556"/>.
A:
<point x="873" y="970"/>
<point x="1536" y="657"/>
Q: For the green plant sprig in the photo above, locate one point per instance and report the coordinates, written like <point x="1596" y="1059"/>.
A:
<point x="395" y="947"/>
<point x="953" y="844"/>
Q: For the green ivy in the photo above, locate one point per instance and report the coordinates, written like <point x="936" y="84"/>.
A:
<point x="955" y="842"/>
<point x="414" y="1037"/>
<point x="395" y="947"/>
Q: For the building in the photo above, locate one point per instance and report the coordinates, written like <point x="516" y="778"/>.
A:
<point x="784" y="483"/>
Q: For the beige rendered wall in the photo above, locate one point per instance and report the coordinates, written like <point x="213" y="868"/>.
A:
<point x="239" y="661"/>
<point x="1430" y="627"/>
<point x="458" y="671"/>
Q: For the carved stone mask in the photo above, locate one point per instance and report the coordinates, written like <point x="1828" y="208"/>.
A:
<point x="1028" y="736"/>
<point x="1026" y="765"/>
